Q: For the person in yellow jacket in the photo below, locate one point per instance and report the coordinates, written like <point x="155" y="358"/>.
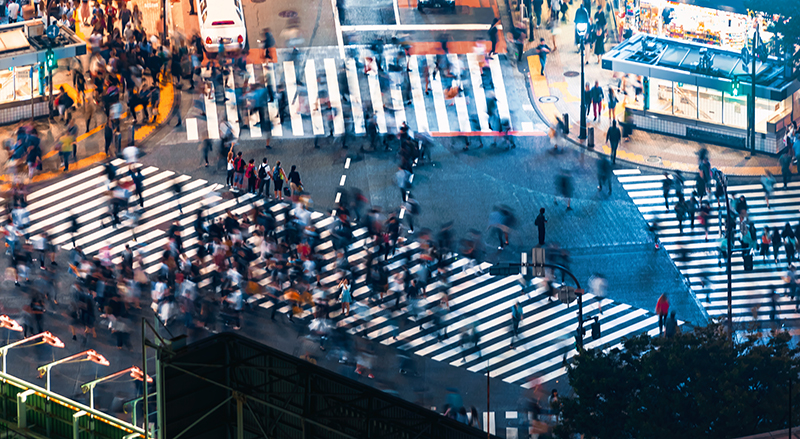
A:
<point x="67" y="145"/>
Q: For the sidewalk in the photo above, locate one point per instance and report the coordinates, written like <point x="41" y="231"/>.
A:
<point x="561" y="84"/>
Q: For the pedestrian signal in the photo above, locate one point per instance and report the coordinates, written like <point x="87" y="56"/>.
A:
<point x="596" y="329"/>
<point x="50" y="57"/>
<point x="735" y="87"/>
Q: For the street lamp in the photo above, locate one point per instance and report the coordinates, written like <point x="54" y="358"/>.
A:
<point x="46" y="337"/>
<point x="88" y="355"/>
<point x="582" y="27"/>
<point x="135" y="373"/>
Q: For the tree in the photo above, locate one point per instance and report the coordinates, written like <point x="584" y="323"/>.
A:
<point x="786" y="14"/>
<point x="695" y="384"/>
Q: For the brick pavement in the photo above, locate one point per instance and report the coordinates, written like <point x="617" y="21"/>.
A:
<point x="644" y="148"/>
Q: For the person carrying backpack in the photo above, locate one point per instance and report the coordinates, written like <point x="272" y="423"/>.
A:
<point x="238" y="171"/>
<point x="278" y="177"/>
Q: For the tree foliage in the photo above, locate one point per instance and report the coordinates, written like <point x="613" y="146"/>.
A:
<point x="787" y="23"/>
<point x="696" y="384"/>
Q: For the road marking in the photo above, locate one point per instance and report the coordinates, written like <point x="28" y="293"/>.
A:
<point x="312" y="87"/>
<point x="347" y="163"/>
<point x="337" y="24"/>
<point x="527" y="126"/>
<point x="253" y="118"/>
<point x="500" y="90"/>
<point x="396" y="12"/>
<point x="342" y="180"/>
<point x="291" y="91"/>
<point x="212" y="123"/>
<point x="418" y="27"/>
<point x="230" y="105"/>
<point x="398" y="105"/>
<point x="488" y="422"/>
<point x="334" y="95"/>
<point x="477" y="91"/>
<point x="438" y="98"/>
<point x="377" y="101"/>
<point x="460" y="99"/>
<point x="191" y="128"/>
<point x="274" y="114"/>
<point x="355" y="96"/>
<point x="417" y="95"/>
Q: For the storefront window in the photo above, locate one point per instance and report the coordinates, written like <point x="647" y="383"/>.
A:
<point x="709" y="102"/>
<point x="796" y="106"/>
<point x="734" y="111"/>
<point x="660" y="96"/>
<point x="685" y="101"/>
<point x="16" y="84"/>
<point x="7" y="85"/>
<point x="767" y="110"/>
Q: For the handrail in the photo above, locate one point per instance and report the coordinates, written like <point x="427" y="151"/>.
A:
<point x="59" y="399"/>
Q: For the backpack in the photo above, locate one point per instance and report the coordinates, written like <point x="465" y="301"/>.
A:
<point x="276" y="175"/>
<point x="262" y="172"/>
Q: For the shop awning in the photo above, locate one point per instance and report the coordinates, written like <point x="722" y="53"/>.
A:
<point x="679" y="61"/>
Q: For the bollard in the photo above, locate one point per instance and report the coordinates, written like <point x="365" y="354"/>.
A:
<point x="590" y="137"/>
<point x="22" y="408"/>
<point x="566" y="123"/>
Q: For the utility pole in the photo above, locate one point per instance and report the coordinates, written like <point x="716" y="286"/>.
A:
<point x="751" y="105"/>
<point x="729" y="228"/>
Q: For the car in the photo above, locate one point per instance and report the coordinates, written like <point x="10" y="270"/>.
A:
<point x="446" y="5"/>
<point x="222" y="24"/>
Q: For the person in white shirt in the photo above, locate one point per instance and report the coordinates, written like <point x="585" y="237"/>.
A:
<point x="13" y="12"/>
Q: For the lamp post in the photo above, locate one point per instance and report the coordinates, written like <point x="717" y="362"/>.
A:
<point x="46" y="337"/>
<point x="581" y="28"/>
<point x="134" y="372"/>
<point x="87" y="355"/>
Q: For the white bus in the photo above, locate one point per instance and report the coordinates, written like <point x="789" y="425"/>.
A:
<point x="222" y="22"/>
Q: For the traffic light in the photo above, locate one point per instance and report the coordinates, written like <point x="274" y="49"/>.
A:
<point x="50" y="56"/>
<point x="596" y="329"/>
<point x="646" y="92"/>
<point x="735" y="87"/>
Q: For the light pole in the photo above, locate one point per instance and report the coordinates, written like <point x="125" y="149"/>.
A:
<point x="46" y="337"/>
<point x="582" y="27"/>
<point x="134" y="371"/>
<point x="87" y="355"/>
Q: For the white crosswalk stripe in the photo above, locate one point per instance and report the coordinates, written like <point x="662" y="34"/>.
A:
<point x="356" y="92"/>
<point x="546" y="335"/>
<point x="699" y="260"/>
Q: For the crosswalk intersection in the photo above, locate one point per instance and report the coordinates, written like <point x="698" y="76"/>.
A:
<point x="354" y="94"/>
<point x="546" y="335"/>
<point x="698" y="259"/>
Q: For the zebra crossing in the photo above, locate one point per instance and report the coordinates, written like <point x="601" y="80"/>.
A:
<point x="698" y="260"/>
<point x="476" y="299"/>
<point x="356" y="95"/>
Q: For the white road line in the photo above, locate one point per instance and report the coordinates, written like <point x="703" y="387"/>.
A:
<point x="396" y="13"/>
<point x="443" y="124"/>
<point x="291" y="91"/>
<point x="274" y="114"/>
<point x="527" y="126"/>
<point x="417" y="27"/>
<point x="334" y="95"/>
<point x="477" y="91"/>
<point x="417" y="94"/>
<point x="253" y="117"/>
<point x="212" y="121"/>
<point x="191" y="128"/>
<point x="461" y="102"/>
<point x="230" y="105"/>
<point x="317" y="126"/>
<point x="337" y="24"/>
<point x="356" y="106"/>
<point x="397" y="104"/>
<point x="377" y="101"/>
<point x="500" y="89"/>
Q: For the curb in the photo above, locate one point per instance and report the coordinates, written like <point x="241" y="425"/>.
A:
<point x="166" y="110"/>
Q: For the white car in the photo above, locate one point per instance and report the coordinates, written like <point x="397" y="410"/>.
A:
<point x="222" y="23"/>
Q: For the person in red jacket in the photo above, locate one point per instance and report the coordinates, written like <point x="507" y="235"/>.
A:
<point x="662" y="310"/>
<point x="238" y="172"/>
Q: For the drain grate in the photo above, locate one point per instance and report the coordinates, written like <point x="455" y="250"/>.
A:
<point x="571" y="74"/>
<point x="653" y="159"/>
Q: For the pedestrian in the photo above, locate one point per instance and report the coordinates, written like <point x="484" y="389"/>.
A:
<point x="680" y="212"/>
<point x="497" y="221"/>
<point x="776" y="243"/>
<point x="613" y="136"/>
<point x="516" y="319"/>
<point x="67" y="146"/>
<point x="671" y="326"/>
<point x="597" y="99"/>
<point x="540" y="223"/>
<point x="766" y="242"/>
<point x="612" y="105"/>
<point x="412" y="209"/>
<point x="768" y="183"/>
<point x="662" y="309"/>
<point x="790" y="281"/>
<point x="666" y="188"/>
<point x="402" y="177"/>
<point x="604" y="173"/>
<point x="543" y="50"/>
<point x="264" y="176"/>
<point x="177" y="188"/>
<point x="250" y="175"/>
<point x="587" y="98"/>
<point x="564" y="186"/>
<point x="239" y="166"/>
<point x="789" y="241"/>
<point x="229" y="161"/>
<point x="278" y="177"/>
<point x="295" y="184"/>
<point x="207" y="146"/>
<point x="138" y="184"/>
<point x="345" y="296"/>
<point x="692" y="206"/>
<point x="599" y="39"/>
<point x="786" y="167"/>
<point x="493" y="30"/>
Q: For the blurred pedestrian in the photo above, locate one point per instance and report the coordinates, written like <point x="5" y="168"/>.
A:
<point x="564" y="186"/>
<point x="540" y="223"/>
<point x="604" y="173"/>
<point x="613" y="136"/>
<point x="768" y="183"/>
<point x="662" y="309"/>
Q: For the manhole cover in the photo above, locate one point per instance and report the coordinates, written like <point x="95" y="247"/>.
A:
<point x="259" y="1"/>
<point x="571" y="74"/>
<point x="548" y="99"/>
<point x="287" y="14"/>
<point x="653" y="159"/>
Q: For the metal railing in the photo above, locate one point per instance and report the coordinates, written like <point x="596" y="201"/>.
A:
<point x="45" y="413"/>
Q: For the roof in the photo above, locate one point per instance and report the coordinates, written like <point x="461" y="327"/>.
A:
<point x="25" y="43"/>
<point x="678" y="61"/>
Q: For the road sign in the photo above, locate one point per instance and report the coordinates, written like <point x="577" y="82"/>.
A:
<point x="538" y="262"/>
<point x="53" y="31"/>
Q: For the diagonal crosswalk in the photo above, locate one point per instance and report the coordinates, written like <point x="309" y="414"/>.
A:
<point x="476" y="299"/>
<point x="357" y="95"/>
<point x="698" y="259"/>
